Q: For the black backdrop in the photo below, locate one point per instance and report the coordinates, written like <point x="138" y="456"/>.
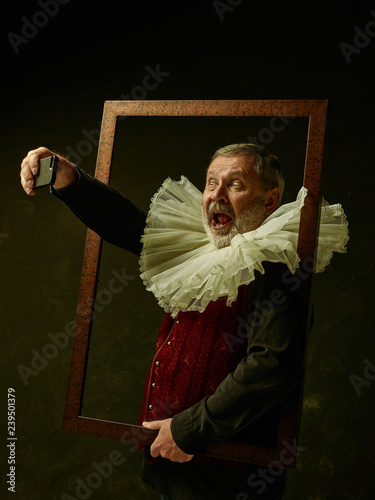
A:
<point x="60" y="62"/>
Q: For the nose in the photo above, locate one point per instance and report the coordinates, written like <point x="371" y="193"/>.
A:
<point x="219" y="195"/>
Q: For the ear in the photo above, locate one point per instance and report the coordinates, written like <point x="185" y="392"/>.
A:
<point x="272" y="198"/>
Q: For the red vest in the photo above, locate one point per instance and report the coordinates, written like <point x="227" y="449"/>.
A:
<point x="194" y="354"/>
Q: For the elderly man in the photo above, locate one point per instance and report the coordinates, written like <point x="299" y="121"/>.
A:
<point x="229" y="348"/>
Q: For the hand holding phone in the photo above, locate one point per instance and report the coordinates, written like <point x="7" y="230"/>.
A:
<point x="41" y="167"/>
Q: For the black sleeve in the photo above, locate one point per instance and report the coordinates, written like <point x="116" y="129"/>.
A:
<point x="263" y="379"/>
<point x="106" y="211"/>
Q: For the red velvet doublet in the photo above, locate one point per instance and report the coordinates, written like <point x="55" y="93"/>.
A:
<point x="193" y="355"/>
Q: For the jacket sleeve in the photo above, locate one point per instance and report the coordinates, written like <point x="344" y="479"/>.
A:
<point x="264" y="378"/>
<point x="106" y="211"/>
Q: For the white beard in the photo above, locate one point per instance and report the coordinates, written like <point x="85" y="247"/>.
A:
<point x="248" y="220"/>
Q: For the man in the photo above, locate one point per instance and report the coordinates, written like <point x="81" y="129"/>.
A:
<point x="229" y="350"/>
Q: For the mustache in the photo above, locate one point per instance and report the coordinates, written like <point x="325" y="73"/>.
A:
<point x="220" y="207"/>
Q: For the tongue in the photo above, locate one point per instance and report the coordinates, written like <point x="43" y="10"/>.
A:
<point x="223" y="218"/>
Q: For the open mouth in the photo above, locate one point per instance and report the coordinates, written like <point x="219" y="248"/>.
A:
<point x="220" y="219"/>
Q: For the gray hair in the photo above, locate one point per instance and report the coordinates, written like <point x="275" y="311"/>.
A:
<point x="266" y="165"/>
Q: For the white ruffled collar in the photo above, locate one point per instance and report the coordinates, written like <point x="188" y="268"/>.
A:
<point x="185" y="271"/>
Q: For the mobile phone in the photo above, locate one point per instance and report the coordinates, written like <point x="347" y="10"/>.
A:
<point x="47" y="172"/>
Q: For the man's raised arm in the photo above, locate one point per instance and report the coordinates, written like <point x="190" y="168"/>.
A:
<point x="99" y="206"/>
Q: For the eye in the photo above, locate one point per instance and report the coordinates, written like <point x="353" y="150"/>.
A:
<point x="236" y="184"/>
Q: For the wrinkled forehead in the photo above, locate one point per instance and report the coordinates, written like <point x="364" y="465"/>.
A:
<point x="240" y="165"/>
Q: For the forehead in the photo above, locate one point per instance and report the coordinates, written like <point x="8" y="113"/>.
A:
<point x="232" y="165"/>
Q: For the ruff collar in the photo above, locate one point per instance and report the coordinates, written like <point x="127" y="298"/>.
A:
<point x="185" y="271"/>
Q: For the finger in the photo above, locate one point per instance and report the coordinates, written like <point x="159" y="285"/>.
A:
<point x="154" y="424"/>
<point x="154" y="451"/>
<point x="34" y="156"/>
<point x="27" y="178"/>
<point x="155" y="447"/>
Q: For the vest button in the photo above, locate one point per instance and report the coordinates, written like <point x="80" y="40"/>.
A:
<point x="153" y="385"/>
<point x="150" y="407"/>
<point x="169" y="343"/>
<point x="157" y="363"/>
<point x="178" y="322"/>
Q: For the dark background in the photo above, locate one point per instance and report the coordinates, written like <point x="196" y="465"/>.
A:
<point x="53" y="93"/>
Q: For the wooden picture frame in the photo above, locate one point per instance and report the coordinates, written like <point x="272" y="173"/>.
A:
<point x="284" y="454"/>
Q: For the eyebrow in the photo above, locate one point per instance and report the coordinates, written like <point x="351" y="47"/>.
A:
<point x="235" y="173"/>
